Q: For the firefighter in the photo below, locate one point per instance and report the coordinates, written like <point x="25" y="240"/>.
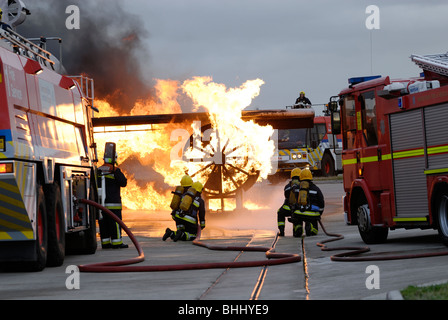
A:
<point x="310" y="205"/>
<point x="110" y="231"/>
<point x="185" y="183"/>
<point x="287" y="207"/>
<point x="187" y="218"/>
<point x="302" y="100"/>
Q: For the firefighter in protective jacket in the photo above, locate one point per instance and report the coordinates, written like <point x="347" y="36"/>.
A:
<point x="290" y="191"/>
<point x="110" y="231"/>
<point x="191" y="211"/>
<point x="310" y="206"/>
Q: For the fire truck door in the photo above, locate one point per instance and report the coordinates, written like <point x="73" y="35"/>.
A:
<point x="408" y="161"/>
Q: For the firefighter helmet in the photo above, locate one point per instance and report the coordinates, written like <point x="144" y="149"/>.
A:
<point x="302" y="92"/>
<point x="198" y="186"/>
<point x="306" y="174"/>
<point x="295" y="172"/>
<point x="186" y="181"/>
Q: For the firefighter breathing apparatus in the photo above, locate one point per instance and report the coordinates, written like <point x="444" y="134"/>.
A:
<point x="273" y="258"/>
<point x="177" y="196"/>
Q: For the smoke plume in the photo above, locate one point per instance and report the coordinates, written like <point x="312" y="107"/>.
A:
<point x="108" y="47"/>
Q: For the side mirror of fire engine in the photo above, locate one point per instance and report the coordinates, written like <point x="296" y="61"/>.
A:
<point x="336" y="122"/>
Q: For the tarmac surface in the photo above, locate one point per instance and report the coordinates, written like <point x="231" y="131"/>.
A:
<point x="315" y="277"/>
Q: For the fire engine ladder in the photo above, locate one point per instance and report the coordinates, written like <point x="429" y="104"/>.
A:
<point x="27" y="48"/>
<point x="437" y="63"/>
<point x="87" y="88"/>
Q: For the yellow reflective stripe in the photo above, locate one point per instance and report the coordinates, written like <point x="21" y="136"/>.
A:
<point x="113" y="205"/>
<point x="9" y="187"/>
<point x="28" y="234"/>
<point x="410" y="153"/>
<point x="437" y="150"/>
<point x="434" y="171"/>
<point x="186" y="218"/>
<point x="386" y="156"/>
<point x="410" y="219"/>
<point x="14" y="214"/>
<point x="5" y="236"/>
<point x="349" y="161"/>
<point x="369" y="159"/>
<point x="14" y="202"/>
<point x="12" y="226"/>
<point x="307" y="213"/>
<point x="281" y="223"/>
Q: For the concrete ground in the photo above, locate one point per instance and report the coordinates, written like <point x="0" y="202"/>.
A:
<point x="316" y="277"/>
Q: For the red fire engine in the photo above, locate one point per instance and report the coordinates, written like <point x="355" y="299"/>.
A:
<point x="395" y="150"/>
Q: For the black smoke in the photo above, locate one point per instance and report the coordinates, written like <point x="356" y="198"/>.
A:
<point x="108" y="46"/>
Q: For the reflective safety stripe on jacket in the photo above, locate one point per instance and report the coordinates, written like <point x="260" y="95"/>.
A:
<point x="187" y="218"/>
<point x="308" y="213"/>
<point x="113" y="206"/>
<point x="314" y="211"/>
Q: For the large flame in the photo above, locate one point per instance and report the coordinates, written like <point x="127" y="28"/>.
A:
<point x="247" y="145"/>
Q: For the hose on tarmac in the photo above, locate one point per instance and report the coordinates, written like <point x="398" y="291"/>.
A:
<point x="126" y="265"/>
<point x="273" y="258"/>
<point x="348" y="256"/>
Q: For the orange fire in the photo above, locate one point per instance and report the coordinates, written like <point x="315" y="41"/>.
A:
<point x="153" y="148"/>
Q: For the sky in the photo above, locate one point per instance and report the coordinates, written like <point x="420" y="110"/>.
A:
<point x="292" y="45"/>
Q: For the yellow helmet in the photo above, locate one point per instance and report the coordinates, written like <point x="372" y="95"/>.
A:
<point x="306" y="174"/>
<point x="186" y="181"/>
<point x="302" y="92"/>
<point x="198" y="186"/>
<point x="295" y="172"/>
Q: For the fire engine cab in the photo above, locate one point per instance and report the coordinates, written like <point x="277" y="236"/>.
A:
<point x="316" y="148"/>
<point x="47" y="157"/>
<point x="395" y="150"/>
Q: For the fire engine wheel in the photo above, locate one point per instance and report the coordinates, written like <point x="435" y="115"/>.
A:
<point x="327" y="166"/>
<point x="41" y="243"/>
<point x="442" y="215"/>
<point x="56" y="229"/>
<point x="369" y="233"/>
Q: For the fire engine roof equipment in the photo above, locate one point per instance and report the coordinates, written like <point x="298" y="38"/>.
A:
<point x="437" y="63"/>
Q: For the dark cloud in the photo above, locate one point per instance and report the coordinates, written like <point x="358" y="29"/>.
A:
<point x="108" y="46"/>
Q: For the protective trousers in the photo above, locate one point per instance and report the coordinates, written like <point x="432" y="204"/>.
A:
<point x="282" y="213"/>
<point x="186" y="226"/>
<point x="310" y="218"/>
<point x="110" y="230"/>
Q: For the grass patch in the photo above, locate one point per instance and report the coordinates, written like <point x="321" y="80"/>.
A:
<point x="434" y="292"/>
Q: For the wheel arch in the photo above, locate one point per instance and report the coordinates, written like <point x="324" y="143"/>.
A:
<point x="359" y="195"/>
<point x="437" y="188"/>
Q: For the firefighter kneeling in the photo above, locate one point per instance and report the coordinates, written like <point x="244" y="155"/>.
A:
<point x="190" y="210"/>
<point x="309" y="207"/>
<point x="291" y="190"/>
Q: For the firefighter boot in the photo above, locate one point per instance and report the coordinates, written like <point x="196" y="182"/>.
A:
<point x="311" y="229"/>
<point x="178" y="235"/>
<point x="297" y="230"/>
<point x="168" y="233"/>
<point x="281" y="231"/>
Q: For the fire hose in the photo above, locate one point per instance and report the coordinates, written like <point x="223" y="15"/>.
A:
<point x="273" y="257"/>
<point x="348" y="255"/>
<point x="125" y="265"/>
